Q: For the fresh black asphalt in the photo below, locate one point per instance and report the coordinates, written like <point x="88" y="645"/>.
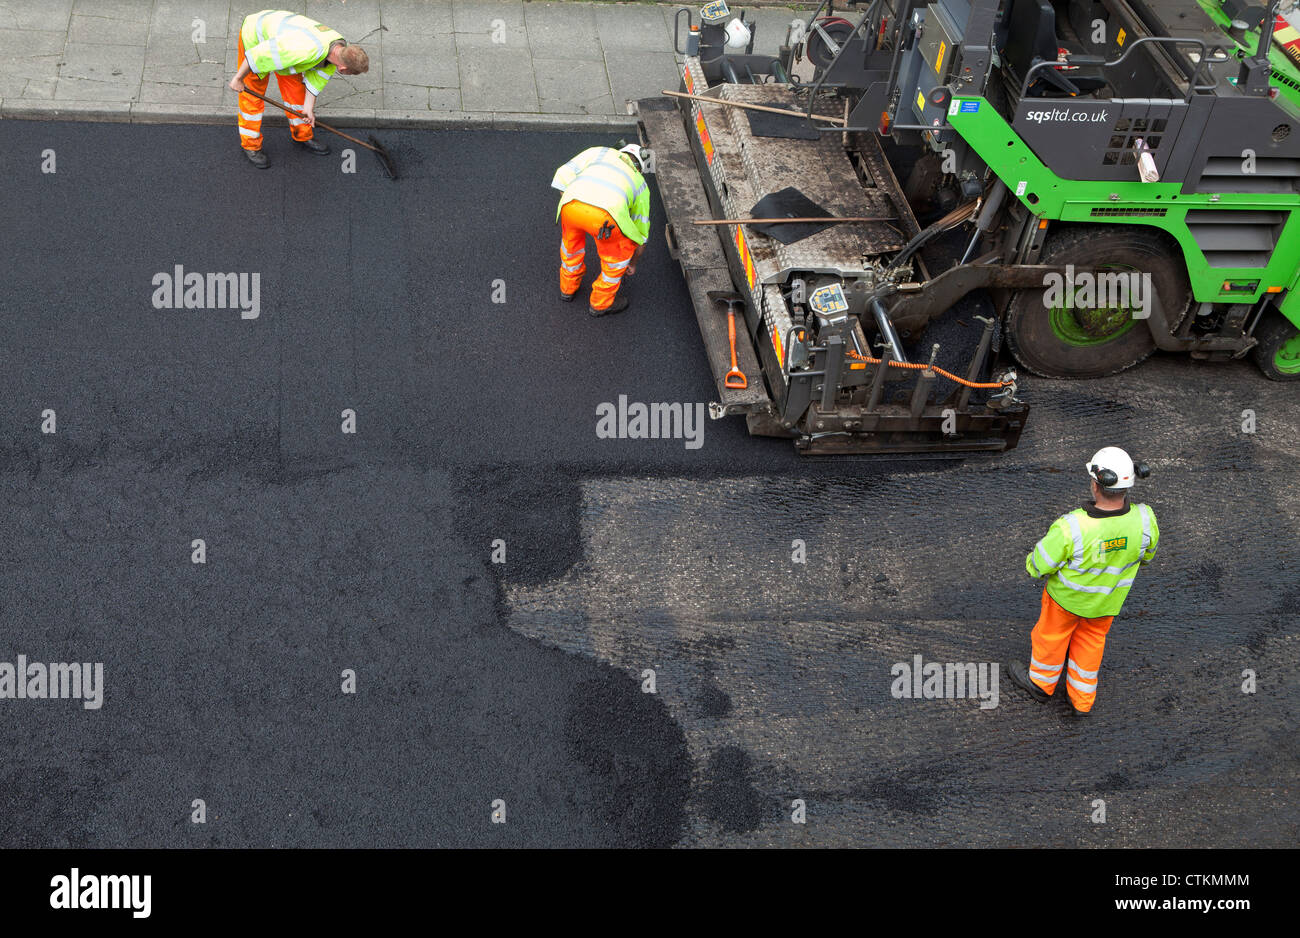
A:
<point x="371" y="551"/>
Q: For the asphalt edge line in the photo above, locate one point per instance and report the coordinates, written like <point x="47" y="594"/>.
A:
<point x="134" y="113"/>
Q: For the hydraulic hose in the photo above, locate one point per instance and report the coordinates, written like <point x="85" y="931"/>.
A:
<point x="917" y="366"/>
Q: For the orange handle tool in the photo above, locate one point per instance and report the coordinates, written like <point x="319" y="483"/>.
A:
<point x="735" y="378"/>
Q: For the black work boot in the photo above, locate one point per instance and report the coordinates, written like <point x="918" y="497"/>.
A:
<point x="258" y="158"/>
<point x="568" y="297"/>
<point x="620" y="303"/>
<point x="312" y="145"/>
<point x="1078" y="712"/>
<point x="1020" y="676"/>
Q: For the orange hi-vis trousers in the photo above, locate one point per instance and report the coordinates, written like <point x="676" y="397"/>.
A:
<point x="292" y="91"/>
<point x="1063" y="641"/>
<point x="577" y="220"/>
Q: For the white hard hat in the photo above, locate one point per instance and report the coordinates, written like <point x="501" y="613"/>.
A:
<point x="638" y="155"/>
<point x="738" y="36"/>
<point x="1112" y="468"/>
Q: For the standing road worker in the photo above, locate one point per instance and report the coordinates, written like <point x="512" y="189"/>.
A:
<point x="1090" y="558"/>
<point x="303" y="54"/>
<point x="605" y="196"/>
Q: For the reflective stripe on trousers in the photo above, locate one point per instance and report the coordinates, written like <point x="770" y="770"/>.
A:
<point x="577" y="221"/>
<point x="292" y="91"/>
<point x="1062" y="641"/>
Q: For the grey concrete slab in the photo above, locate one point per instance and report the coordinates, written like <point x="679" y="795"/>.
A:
<point x="41" y="88"/>
<point x="416" y="17"/>
<point x="133" y="11"/>
<point x="559" y="29"/>
<point x="176" y="19"/>
<point x="105" y="30"/>
<point x="342" y="95"/>
<point x="46" y="15"/>
<point x="419" y="44"/>
<point x="86" y="90"/>
<point x="569" y="86"/>
<point x="511" y="56"/>
<point x="194" y="73"/>
<point x="432" y="71"/>
<point x="641" y="27"/>
<point x="116" y="64"/>
<point x="635" y="75"/>
<point x="33" y="66"/>
<point x="182" y="53"/>
<point x="406" y="97"/>
<point x="167" y="92"/>
<point x="497" y="79"/>
<point x="13" y="86"/>
<point x="478" y="16"/>
<point x="500" y="37"/>
<point x="232" y="65"/>
<point x="353" y="19"/>
<point x="21" y="44"/>
<point x="444" y="99"/>
<point x="771" y="26"/>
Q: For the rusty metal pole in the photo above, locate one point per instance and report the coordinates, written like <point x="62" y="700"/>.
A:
<point x="977" y="363"/>
<point x="921" y="395"/>
<point x="878" y="382"/>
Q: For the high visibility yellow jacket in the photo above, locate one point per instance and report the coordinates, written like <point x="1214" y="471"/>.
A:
<point x="290" y="44"/>
<point x="1091" y="557"/>
<point x="601" y="177"/>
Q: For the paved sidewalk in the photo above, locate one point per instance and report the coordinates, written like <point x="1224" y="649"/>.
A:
<point x="498" y="63"/>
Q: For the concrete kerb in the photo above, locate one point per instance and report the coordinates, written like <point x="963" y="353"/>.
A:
<point x="135" y="113"/>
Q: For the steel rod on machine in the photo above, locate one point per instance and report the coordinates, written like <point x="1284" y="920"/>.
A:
<point x="751" y="107"/>
<point x="977" y="363"/>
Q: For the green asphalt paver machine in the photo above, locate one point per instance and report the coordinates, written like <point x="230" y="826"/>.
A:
<point x="1107" y="178"/>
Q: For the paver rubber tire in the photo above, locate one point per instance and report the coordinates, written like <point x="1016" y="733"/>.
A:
<point x="1278" y="351"/>
<point x="1064" y="342"/>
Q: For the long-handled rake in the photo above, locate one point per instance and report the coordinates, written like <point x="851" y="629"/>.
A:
<point x="385" y="158"/>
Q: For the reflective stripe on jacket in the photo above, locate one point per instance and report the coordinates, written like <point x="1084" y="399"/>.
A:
<point x="1090" y="563"/>
<point x="600" y="176"/>
<point x="289" y="43"/>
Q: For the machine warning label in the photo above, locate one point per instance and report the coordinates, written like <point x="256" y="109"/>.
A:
<point x="970" y="107"/>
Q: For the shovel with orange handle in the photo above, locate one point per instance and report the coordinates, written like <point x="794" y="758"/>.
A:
<point x="735" y="378"/>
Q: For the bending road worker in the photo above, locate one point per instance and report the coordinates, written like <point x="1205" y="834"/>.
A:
<point x="1089" y="558"/>
<point x="605" y="196"/>
<point x="303" y="54"/>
